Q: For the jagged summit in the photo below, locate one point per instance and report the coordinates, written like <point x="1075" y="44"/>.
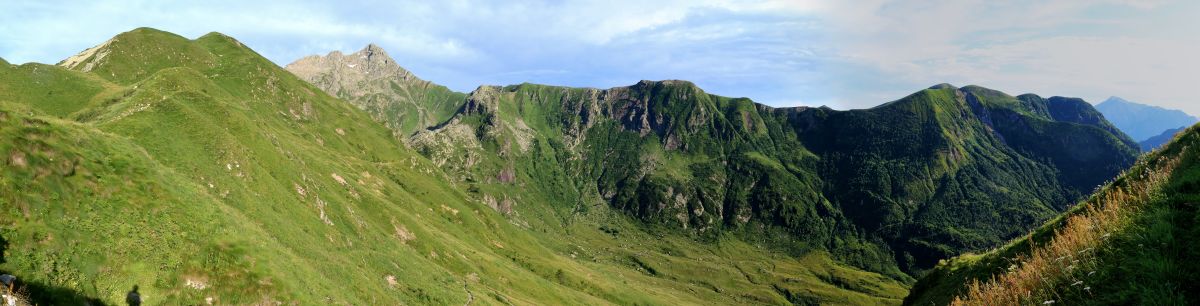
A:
<point x="372" y="62"/>
<point x="373" y="81"/>
<point x="373" y="51"/>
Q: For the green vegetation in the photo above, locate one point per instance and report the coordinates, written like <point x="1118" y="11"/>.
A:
<point x="50" y="89"/>
<point x="1126" y="245"/>
<point x="892" y="189"/>
<point x="198" y="170"/>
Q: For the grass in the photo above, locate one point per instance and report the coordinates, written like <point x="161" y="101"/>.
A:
<point x="1125" y="245"/>
<point x="889" y="189"/>
<point x="229" y="179"/>
<point x="49" y="89"/>
<point x="201" y="171"/>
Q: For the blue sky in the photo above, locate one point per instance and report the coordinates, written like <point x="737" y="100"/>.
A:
<point x="845" y="54"/>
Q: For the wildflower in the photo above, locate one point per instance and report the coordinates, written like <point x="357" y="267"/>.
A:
<point x="1090" y="273"/>
<point x="1048" y="302"/>
<point x="1077" y="283"/>
<point x="1088" y="288"/>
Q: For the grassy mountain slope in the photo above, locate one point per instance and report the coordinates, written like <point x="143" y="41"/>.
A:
<point x="50" y="89"/>
<point x="197" y="169"/>
<point x="1128" y="244"/>
<point x="888" y="189"/>
<point x="374" y="82"/>
<point x="81" y="204"/>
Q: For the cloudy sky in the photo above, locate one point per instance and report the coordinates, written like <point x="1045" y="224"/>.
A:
<point x="845" y="54"/>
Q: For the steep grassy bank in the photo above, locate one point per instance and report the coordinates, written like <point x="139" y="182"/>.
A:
<point x="1127" y="244"/>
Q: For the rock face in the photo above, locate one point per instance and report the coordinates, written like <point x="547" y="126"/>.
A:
<point x="889" y="189"/>
<point x="901" y="185"/>
<point x="372" y="81"/>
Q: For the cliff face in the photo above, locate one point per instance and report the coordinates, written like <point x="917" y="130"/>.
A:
<point x="902" y="185"/>
<point x="896" y="187"/>
<point x="372" y="81"/>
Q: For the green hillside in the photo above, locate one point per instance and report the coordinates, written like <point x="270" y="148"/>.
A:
<point x="1128" y="244"/>
<point x="201" y="172"/>
<point x="892" y="189"/>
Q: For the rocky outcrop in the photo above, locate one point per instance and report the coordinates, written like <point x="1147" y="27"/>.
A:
<point x="373" y="81"/>
<point x="668" y="153"/>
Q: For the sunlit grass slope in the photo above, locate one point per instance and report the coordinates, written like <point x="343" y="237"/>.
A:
<point x="1131" y="243"/>
<point x="198" y="170"/>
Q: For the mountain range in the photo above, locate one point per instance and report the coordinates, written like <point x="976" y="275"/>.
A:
<point x="1158" y="141"/>
<point x="203" y="172"/>
<point x="1142" y="122"/>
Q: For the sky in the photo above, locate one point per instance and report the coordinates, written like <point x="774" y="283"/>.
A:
<point x="843" y="54"/>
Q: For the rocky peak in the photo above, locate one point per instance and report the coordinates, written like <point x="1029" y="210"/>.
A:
<point x="373" y="81"/>
<point x="336" y="71"/>
<point x="483" y="100"/>
<point x="374" y="52"/>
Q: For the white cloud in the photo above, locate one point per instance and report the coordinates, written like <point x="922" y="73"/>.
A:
<point x="1142" y="50"/>
<point x="842" y="53"/>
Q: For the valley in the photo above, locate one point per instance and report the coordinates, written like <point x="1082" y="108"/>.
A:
<point x="200" y="171"/>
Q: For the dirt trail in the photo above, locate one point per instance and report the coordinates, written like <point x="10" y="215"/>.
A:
<point x="470" y="296"/>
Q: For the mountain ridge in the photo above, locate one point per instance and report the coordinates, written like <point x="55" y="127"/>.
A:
<point x="1142" y="121"/>
<point x="1158" y="141"/>
<point x="204" y="172"/>
<point x="643" y="115"/>
<point x="1126" y="244"/>
<point x="380" y="86"/>
<point x="233" y="181"/>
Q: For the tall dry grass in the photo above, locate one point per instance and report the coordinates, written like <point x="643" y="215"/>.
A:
<point x="1069" y="257"/>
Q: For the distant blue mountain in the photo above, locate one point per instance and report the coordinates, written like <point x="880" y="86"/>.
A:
<point x="1157" y="141"/>
<point x="1140" y="121"/>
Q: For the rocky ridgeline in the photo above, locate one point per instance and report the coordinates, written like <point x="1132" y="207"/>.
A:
<point x="353" y="73"/>
<point x="373" y="81"/>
